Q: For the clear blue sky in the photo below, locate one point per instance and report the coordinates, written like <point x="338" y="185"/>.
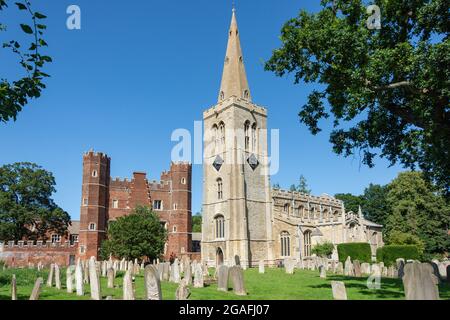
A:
<point x="139" y="69"/>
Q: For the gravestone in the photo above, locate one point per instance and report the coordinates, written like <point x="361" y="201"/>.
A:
<point x="86" y="271"/>
<point x="57" y="277"/>
<point x="222" y="278"/>
<point x="365" y="268"/>
<point x="110" y="276"/>
<point x="36" y="289"/>
<point x="357" y="268"/>
<point x="348" y="267"/>
<point x="323" y="272"/>
<point x="79" y="279"/>
<point x="188" y="273"/>
<point x="152" y="283"/>
<point x="104" y="269"/>
<point x="400" y="267"/>
<point x="340" y="268"/>
<point x="176" y="271"/>
<point x="289" y="265"/>
<point x="205" y="270"/>
<point x="166" y="270"/>
<point x="448" y="273"/>
<point x="436" y="271"/>
<point x="69" y="279"/>
<point x="237" y="260"/>
<point x="50" y="275"/>
<point x="128" y="292"/>
<point x="183" y="292"/>
<point x="339" y="292"/>
<point x="384" y="272"/>
<point x="198" y="276"/>
<point x="261" y="267"/>
<point x="420" y="282"/>
<point x="13" y="288"/>
<point x="94" y="280"/>
<point x="236" y="275"/>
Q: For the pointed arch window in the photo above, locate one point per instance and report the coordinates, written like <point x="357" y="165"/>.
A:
<point x="220" y="227"/>
<point x="219" y="189"/>
<point x="307" y="243"/>
<point x="222" y="136"/>
<point x="254" y="140"/>
<point x="247" y="135"/>
<point x="285" y="238"/>
<point x="215" y="136"/>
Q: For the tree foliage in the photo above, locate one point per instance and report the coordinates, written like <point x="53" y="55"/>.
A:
<point x="323" y="249"/>
<point x="197" y="223"/>
<point x="374" y="204"/>
<point x="351" y="202"/>
<point x="387" y="90"/>
<point x="26" y="207"/>
<point x="14" y="94"/>
<point x="403" y="238"/>
<point x="135" y="236"/>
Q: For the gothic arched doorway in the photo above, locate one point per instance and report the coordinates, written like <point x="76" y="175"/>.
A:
<point x="219" y="257"/>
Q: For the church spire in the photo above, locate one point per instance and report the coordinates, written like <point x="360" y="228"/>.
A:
<point x="234" y="78"/>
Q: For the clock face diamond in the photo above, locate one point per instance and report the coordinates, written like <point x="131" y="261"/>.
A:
<point x="218" y="162"/>
<point x="253" y="162"/>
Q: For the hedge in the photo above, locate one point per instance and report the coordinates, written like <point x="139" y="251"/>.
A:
<point x="356" y="251"/>
<point x="388" y="254"/>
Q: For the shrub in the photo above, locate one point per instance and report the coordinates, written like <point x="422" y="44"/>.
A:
<point x="356" y="251"/>
<point x="388" y="254"/>
<point x="403" y="238"/>
<point x="323" y="250"/>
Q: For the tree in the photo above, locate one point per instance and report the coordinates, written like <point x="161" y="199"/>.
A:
<point x="375" y="207"/>
<point x="276" y="186"/>
<point x="386" y="89"/>
<point x="402" y="238"/>
<point x="323" y="249"/>
<point x="14" y="95"/>
<point x="351" y="202"/>
<point x="418" y="209"/>
<point x="197" y="223"/>
<point x="303" y="185"/>
<point x="26" y="207"/>
<point x="135" y="236"/>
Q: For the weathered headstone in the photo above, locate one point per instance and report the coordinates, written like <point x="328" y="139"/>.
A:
<point x="323" y="272"/>
<point x="36" y="289"/>
<point x="222" y="278"/>
<point x="86" y="271"/>
<point x="261" y="267"/>
<point x="152" y="283"/>
<point x="420" y="282"/>
<point x="339" y="268"/>
<point x="237" y="260"/>
<point x="236" y="275"/>
<point x="104" y="269"/>
<point x="128" y="292"/>
<point x="176" y="272"/>
<point x="357" y="268"/>
<point x="94" y="280"/>
<point x="365" y="268"/>
<point x="50" y="275"/>
<point x="13" y="288"/>
<point x="289" y="265"/>
<point x="183" y="292"/>
<point x="348" y="267"/>
<point x="110" y="276"/>
<point x="400" y="267"/>
<point x="166" y="271"/>
<point x="339" y="292"/>
<point x="187" y="273"/>
<point x="57" y="277"/>
<point x="69" y="279"/>
<point x="435" y="267"/>
<point x="79" y="278"/>
<point x="198" y="276"/>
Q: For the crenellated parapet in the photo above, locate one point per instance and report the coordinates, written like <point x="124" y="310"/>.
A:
<point x="33" y="245"/>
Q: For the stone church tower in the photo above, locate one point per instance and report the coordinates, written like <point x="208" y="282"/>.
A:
<point x="237" y="217"/>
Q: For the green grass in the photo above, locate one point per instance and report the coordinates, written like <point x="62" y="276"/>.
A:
<point x="275" y="284"/>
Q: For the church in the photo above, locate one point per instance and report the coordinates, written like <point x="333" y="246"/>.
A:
<point x="242" y="214"/>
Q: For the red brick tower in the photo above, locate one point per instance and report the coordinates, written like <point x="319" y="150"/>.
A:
<point x="94" y="203"/>
<point x="180" y="236"/>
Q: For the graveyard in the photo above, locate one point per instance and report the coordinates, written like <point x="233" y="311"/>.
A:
<point x="274" y="284"/>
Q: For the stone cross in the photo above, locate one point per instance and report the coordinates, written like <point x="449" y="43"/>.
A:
<point x="69" y="279"/>
<point x="152" y="283"/>
<point x="128" y="292"/>
<point x="420" y="282"/>
<point x="13" y="288"/>
<point x="236" y="275"/>
<point x="50" y="275"/>
<point x="222" y="278"/>
<point x="323" y="272"/>
<point x="57" y="277"/>
<point x="183" y="292"/>
<point x="36" y="289"/>
<point x="339" y="292"/>
<point x="261" y="267"/>
<point x="94" y="280"/>
<point x="79" y="278"/>
<point x="198" y="276"/>
<point x="110" y="274"/>
<point x="357" y="268"/>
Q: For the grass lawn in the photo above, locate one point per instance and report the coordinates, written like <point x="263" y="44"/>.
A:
<point x="275" y="284"/>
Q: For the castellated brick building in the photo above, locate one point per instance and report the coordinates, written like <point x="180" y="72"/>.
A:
<point x="104" y="199"/>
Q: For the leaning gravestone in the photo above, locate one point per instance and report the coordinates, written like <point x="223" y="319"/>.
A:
<point x="36" y="289"/>
<point x="57" y="277"/>
<point x="94" y="280"/>
<point x="152" y="283"/>
<point x="420" y="282"/>
<point x="357" y="268"/>
<point x="69" y="279"/>
<point x="79" y="279"/>
<point x="50" y="275"/>
<point x="261" y="267"/>
<point x="198" y="276"/>
<point x="222" y="278"/>
<point x="236" y="275"/>
<point x="13" y="288"/>
<point x="339" y="292"/>
<point x="110" y="276"/>
<point x="128" y="292"/>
